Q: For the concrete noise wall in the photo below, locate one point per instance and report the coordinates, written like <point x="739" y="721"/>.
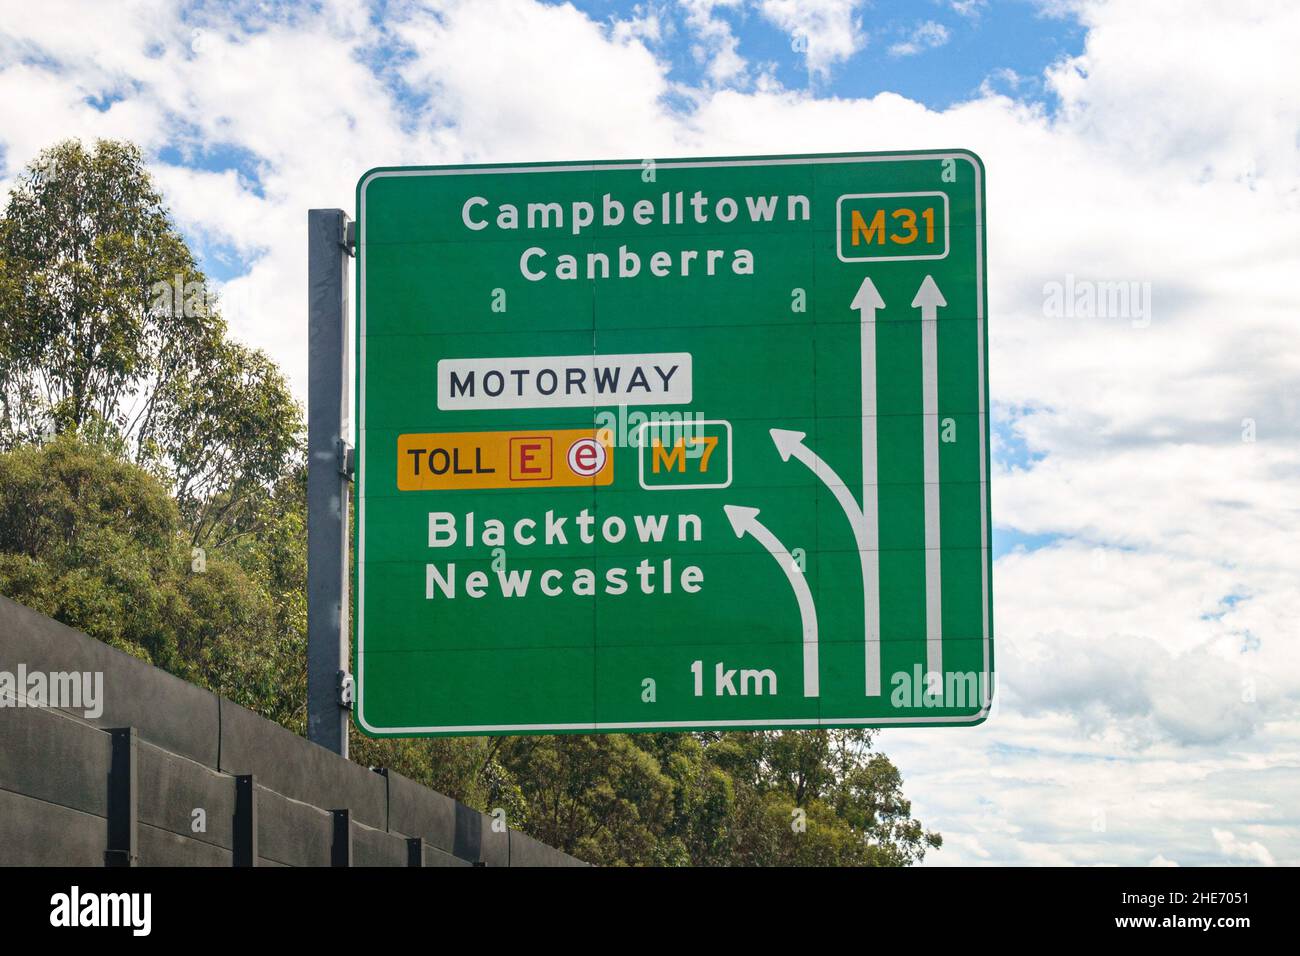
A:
<point x="169" y="774"/>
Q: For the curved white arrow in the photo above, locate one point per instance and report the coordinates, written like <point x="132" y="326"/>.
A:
<point x="929" y="300"/>
<point x="745" y="521"/>
<point x="791" y="443"/>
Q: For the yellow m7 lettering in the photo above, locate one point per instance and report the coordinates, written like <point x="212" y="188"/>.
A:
<point x="709" y="442"/>
<point x="677" y="455"/>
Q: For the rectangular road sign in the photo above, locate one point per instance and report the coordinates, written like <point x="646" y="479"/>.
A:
<point x="674" y="444"/>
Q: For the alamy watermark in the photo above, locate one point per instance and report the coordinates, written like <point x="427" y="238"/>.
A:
<point x="622" y="428"/>
<point x="1077" y="298"/>
<point x="133" y="911"/>
<point x="919" y="688"/>
<point x="66" y="690"/>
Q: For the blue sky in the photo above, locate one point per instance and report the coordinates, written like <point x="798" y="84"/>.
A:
<point x="905" y="53"/>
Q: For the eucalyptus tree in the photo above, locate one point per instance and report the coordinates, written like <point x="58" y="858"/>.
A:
<point x="108" y="329"/>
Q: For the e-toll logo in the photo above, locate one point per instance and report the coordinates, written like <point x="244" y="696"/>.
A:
<point x="555" y="458"/>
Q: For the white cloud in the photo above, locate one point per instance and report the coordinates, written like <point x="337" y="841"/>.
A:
<point x="827" y="31"/>
<point x="1233" y="113"/>
<point x="969" y="8"/>
<point x="1236" y="849"/>
<point x="716" y="45"/>
<point x="1005" y="77"/>
<point x="926" y="36"/>
<point x="1149" y="661"/>
<point x="646" y="23"/>
<point x="523" y="79"/>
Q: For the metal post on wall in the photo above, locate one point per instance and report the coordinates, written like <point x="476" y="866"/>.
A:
<point x="329" y="477"/>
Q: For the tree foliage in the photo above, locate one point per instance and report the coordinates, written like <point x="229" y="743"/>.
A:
<point x="97" y="543"/>
<point x="109" y="329"/>
<point x="777" y="798"/>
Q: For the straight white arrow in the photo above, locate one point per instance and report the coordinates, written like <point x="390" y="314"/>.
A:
<point x="929" y="300"/>
<point x="745" y="521"/>
<point x="866" y="302"/>
<point x="791" y="443"/>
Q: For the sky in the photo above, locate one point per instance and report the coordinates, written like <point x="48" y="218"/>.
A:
<point x="1146" y="462"/>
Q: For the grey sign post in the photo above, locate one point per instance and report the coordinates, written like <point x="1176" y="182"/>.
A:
<point x="329" y="467"/>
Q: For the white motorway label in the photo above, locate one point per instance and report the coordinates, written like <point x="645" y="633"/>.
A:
<point x="564" y="381"/>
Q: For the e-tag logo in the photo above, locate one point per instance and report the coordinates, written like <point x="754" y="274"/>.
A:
<point x="586" y="457"/>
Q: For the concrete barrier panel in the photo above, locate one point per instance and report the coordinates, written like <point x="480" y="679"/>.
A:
<point x="376" y="847"/>
<point x="477" y="842"/>
<point x="171" y="788"/>
<point x="36" y="833"/>
<point x="417" y="811"/>
<point x="53" y="757"/>
<point x="435" y="857"/>
<point x="56" y="768"/>
<point x="294" y="766"/>
<point x="164" y="848"/>
<point x="164" y="709"/>
<point x="525" y="851"/>
<point x="292" y="833"/>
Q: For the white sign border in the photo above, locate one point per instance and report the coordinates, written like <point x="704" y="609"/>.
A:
<point x="987" y="683"/>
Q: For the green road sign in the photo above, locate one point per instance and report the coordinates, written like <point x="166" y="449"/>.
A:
<point x="678" y="445"/>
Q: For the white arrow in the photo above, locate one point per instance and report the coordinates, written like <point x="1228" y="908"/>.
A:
<point x="745" y="521"/>
<point x="866" y="302"/>
<point x="929" y="300"/>
<point x="791" y="443"/>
